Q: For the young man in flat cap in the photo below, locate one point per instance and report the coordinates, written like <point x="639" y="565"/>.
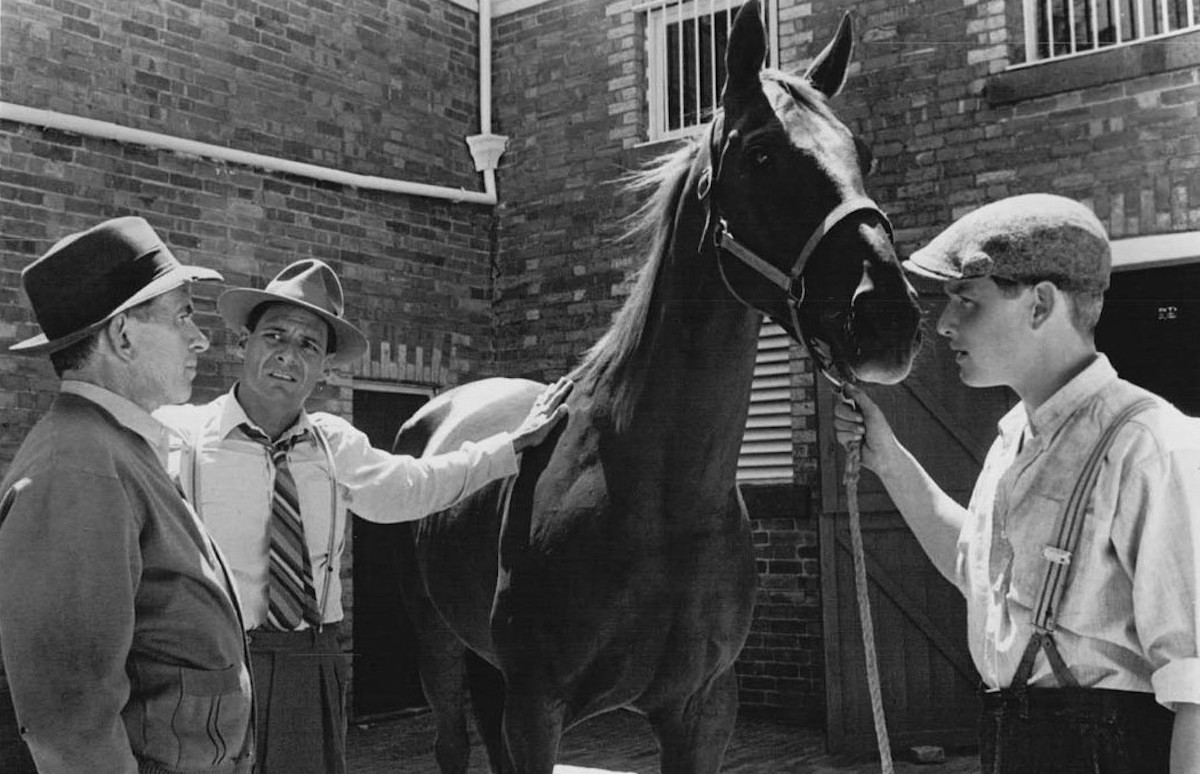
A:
<point x="273" y="483"/>
<point x="1078" y="553"/>
<point x="120" y="630"/>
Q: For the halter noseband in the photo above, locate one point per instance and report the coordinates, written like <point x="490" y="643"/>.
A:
<point x="726" y="242"/>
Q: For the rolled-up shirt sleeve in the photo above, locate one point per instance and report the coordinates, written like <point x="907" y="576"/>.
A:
<point x="389" y="488"/>
<point x="1163" y="489"/>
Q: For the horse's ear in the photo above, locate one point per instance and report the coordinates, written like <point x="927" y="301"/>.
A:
<point x="828" y="71"/>
<point x="746" y="51"/>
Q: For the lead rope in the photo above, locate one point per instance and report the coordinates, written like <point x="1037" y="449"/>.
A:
<point x="850" y="480"/>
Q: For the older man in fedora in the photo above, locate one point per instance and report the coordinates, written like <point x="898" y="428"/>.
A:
<point x="120" y="629"/>
<point x="273" y="483"/>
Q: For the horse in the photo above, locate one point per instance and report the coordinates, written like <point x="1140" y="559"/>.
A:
<point x="616" y="569"/>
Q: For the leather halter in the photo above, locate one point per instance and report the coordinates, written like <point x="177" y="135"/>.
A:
<point x="727" y="243"/>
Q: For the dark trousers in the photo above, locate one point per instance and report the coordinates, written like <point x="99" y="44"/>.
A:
<point x="300" y="686"/>
<point x="1074" y="731"/>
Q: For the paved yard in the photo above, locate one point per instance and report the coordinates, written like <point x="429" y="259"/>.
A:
<point x="620" y="743"/>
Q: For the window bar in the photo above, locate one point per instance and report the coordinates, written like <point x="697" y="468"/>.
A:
<point x="1095" y="24"/>
<point x="712" y="84"/>
<point x="679" y="56"/>
<point x="1191" y="13"/>
<point x="1049" y="29"/>
<point x="1164" y="17"/>
<point x="699" y="53"/>
<point x="1070" y="25"/>
<point x="1140" y="32"/>
<point x="1114" y="7"/>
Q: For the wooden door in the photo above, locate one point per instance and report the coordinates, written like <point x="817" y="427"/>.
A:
<point x="385" y="677"/>
<point x="928" y="681"/>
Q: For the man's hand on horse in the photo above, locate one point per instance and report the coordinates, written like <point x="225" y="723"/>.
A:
<point x="548" y="410"/>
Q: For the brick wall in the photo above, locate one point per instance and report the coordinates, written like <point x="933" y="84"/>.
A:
<point x="388" y="91"/>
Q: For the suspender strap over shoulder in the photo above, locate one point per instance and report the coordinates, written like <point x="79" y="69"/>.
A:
<point x="1060" y="553"/>
<point x="321" y="441"/>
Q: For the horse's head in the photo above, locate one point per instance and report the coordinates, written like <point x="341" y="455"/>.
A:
<point x="796" y="235"/>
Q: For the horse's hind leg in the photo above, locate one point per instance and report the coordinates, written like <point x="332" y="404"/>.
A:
<point x="487" y="699"/>
<point x="442" y="679"/>
<point x="692" y="737"/>
<point x="440" y="664"/>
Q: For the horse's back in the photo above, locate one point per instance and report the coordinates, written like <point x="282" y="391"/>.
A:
<point x="469" y="412"/>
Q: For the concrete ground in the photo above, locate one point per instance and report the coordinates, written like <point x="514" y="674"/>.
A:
<point x="621" y="743"/>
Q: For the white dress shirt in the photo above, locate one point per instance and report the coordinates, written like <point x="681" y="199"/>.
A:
<point x="230" y="480"/>
<point x="1129" y="617"/>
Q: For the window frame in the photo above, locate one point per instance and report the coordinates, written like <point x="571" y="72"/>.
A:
<point x="1029" y="21"/>
<point x="657" y="16"/>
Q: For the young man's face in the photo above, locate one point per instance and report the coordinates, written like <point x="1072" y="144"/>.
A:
<point x="167" y="344"/>
<point x="284" y="356"/>
<point x="987" y="331"/>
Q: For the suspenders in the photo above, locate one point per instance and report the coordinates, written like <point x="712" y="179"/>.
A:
<point x="1058" y="556"/>
<point x="333" y="509"/>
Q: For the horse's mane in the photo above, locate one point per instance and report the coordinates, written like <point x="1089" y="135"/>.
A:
<point x="624" y="347"/>
<point x="621" y="353"/>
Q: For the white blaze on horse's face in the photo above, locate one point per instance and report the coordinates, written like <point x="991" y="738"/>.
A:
<point x="789" y="186"/>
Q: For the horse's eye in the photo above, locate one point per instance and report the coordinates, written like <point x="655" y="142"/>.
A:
<point x="760" y="158"/>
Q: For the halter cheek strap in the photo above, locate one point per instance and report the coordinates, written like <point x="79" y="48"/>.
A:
<point x="726" y="242"/>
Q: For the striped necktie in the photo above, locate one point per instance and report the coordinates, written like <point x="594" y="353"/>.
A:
<point x="291" y="599"/>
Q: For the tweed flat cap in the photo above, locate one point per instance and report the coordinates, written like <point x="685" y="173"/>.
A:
<point x="1026" y="237"/>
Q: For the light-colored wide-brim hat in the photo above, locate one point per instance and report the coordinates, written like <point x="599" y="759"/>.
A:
<point x="309" y="284"/>
<point x="90" y="277"/>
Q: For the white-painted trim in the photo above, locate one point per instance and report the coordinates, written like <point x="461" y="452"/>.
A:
<point x="504" y="7"/>
<point x="109" y="131"/>
<point x="373" y="385"/>
<point x="1146" y="252"/>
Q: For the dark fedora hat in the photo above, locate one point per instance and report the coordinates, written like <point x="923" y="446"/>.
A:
<point x="88" y="278"/>
<point x="309" y="284"/>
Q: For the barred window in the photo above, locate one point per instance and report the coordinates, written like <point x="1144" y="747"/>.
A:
<point x="685" y="56"/>
<point x="1060" y="28"/>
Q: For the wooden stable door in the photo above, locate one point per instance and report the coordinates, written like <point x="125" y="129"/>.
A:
<point x="385" y="676"/>
<point x="928" y="681"/>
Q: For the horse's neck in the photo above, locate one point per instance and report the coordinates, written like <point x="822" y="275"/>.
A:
<point x="692" y="415"/>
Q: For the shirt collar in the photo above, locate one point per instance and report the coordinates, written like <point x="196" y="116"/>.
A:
<point x="127" y="413"/>
<point x="233" y="416"/>
<point x="1046" y="418"/>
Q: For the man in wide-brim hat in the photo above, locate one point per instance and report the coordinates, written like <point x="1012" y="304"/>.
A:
<point x="120" y="631"/>
<point x="273" y="484"/>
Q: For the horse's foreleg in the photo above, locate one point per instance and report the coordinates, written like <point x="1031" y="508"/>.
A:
<point x="693" y="736"/>
<point x="533" y="727"/>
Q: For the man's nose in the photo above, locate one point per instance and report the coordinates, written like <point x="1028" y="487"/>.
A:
<point x="945" y="323"/>
<point x="199" y="342"/>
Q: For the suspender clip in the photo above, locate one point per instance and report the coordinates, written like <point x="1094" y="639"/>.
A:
<point x="1056" y="555"/>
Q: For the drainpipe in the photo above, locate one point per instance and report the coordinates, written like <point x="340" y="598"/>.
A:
<point x="485" y="147"/>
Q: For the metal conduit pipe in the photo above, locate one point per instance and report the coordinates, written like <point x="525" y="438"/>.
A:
<point x="109" y="131"/>
<point x="485" y="148"/>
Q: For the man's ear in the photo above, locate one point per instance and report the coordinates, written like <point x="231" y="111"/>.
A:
<point x="116" y="333"/>
<point x="1045" y="300"/>
<point x="239" y="343"/>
